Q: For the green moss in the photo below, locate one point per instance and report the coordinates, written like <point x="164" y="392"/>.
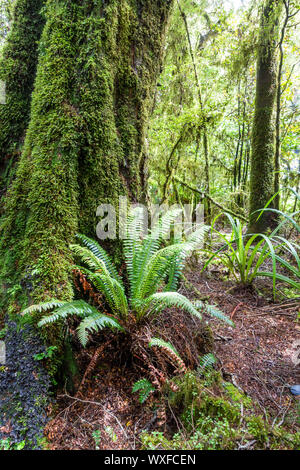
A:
<point x="17" y="69"/>
<point x="215" y="415"/>
<point x="98" y="63"/>
<point x="263" y="133"/>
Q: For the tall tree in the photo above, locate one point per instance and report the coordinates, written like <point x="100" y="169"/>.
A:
<point x="98" y="64"/>
<point x="263" y="132"/>
<point x="17" y="72"/>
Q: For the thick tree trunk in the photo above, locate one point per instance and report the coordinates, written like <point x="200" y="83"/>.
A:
<point x="17" y="71"/>
<point x="97" y="69"/>
<point x="263" y="133"/>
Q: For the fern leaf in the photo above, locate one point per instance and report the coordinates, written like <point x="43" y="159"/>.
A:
<point x="100" y="253"/>
<point x="88" y="257"/>
<point x="161" y="300"/>
<point x="95" y="323"/>
<point x="43" y="307"/>
<point x="144" y="387"/>
<point x="213" y="312"/>
<point x="77" y="307"/>
<point x="207" y="361"/>
<point x="171" y="352"/>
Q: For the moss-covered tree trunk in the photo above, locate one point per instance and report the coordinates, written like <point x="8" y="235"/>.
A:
<point x="263" y="133"/>
<point x="17" y="72"/>
<point x="97" y="68"/>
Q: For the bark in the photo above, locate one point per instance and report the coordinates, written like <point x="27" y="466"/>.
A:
<point x="263" y="132"/>
<point x="97" y="69"/>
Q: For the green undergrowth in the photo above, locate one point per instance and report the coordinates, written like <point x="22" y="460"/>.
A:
<point x="214" y="415"/>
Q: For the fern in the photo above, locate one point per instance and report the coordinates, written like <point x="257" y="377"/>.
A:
<point x="169" y="349"/>
<point x="95" y="323"/>
<point x="78" y="308"/>
<point x="145" y="388"/>
<point x="43" y="307"/>
<point x="161" y="300"/>
<point x="207" y="361"/>
<point x="213" y="312"/>
<point x="153" y="273"/>
<point x="160" y="343"/>
<point x="100" y="253"/>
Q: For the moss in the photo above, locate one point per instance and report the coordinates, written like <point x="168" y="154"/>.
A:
<point x="17" y="69"/>
<point x="98" y="63"/>
<point x="263" y="133"/>
<point x="215" y="415"/>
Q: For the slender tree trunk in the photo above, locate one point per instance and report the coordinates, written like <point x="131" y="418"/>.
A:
<point x="97" y="69"/>
<point x="204" y="124"/>
<point x="263" y="133"/>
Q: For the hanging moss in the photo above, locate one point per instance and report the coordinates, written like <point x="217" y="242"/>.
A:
<point x="98" y="64"/>
<point x="17" y="70"/>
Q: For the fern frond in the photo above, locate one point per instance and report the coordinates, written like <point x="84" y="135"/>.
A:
<point x="88" y="257"/>
<point x="94" y="323"/>
<point x="144" y="387"/>
<point x="170" y="351"/>
<point x="43" y="307"/>
<point x="77" y="307"/>
<point x="113" y="291"/>
<point x="161" y="300"/>
<point x="138" y="250"/>
<point x="207" y="361"/>
<point x="213" y="312"/>
<point x="100" y="253"/>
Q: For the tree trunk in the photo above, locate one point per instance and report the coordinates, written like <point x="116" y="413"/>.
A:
<point x="263" y="133"/>
<point x="97" y="69"/>
<point x="17" y="71"/>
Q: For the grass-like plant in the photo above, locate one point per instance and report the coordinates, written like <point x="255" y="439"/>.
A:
<point x="149" y="287"/>
<point x="244" y="254"/>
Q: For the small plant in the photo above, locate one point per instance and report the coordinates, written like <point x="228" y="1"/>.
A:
<point x="207" y="361"/>
<point x="244" y="254"/>
<point x="6" y="444"/>
<point x="97" y="438"/>
<point x="3" y="332"/>
<point x="45" y="354"/>
<point x="111" y="433"/>
<point x="145" y="388"/>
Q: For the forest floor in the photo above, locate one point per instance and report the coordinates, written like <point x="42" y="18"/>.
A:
<point x="260" y="356"/>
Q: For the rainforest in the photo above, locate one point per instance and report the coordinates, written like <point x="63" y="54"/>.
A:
<point x="149" y="227"/>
